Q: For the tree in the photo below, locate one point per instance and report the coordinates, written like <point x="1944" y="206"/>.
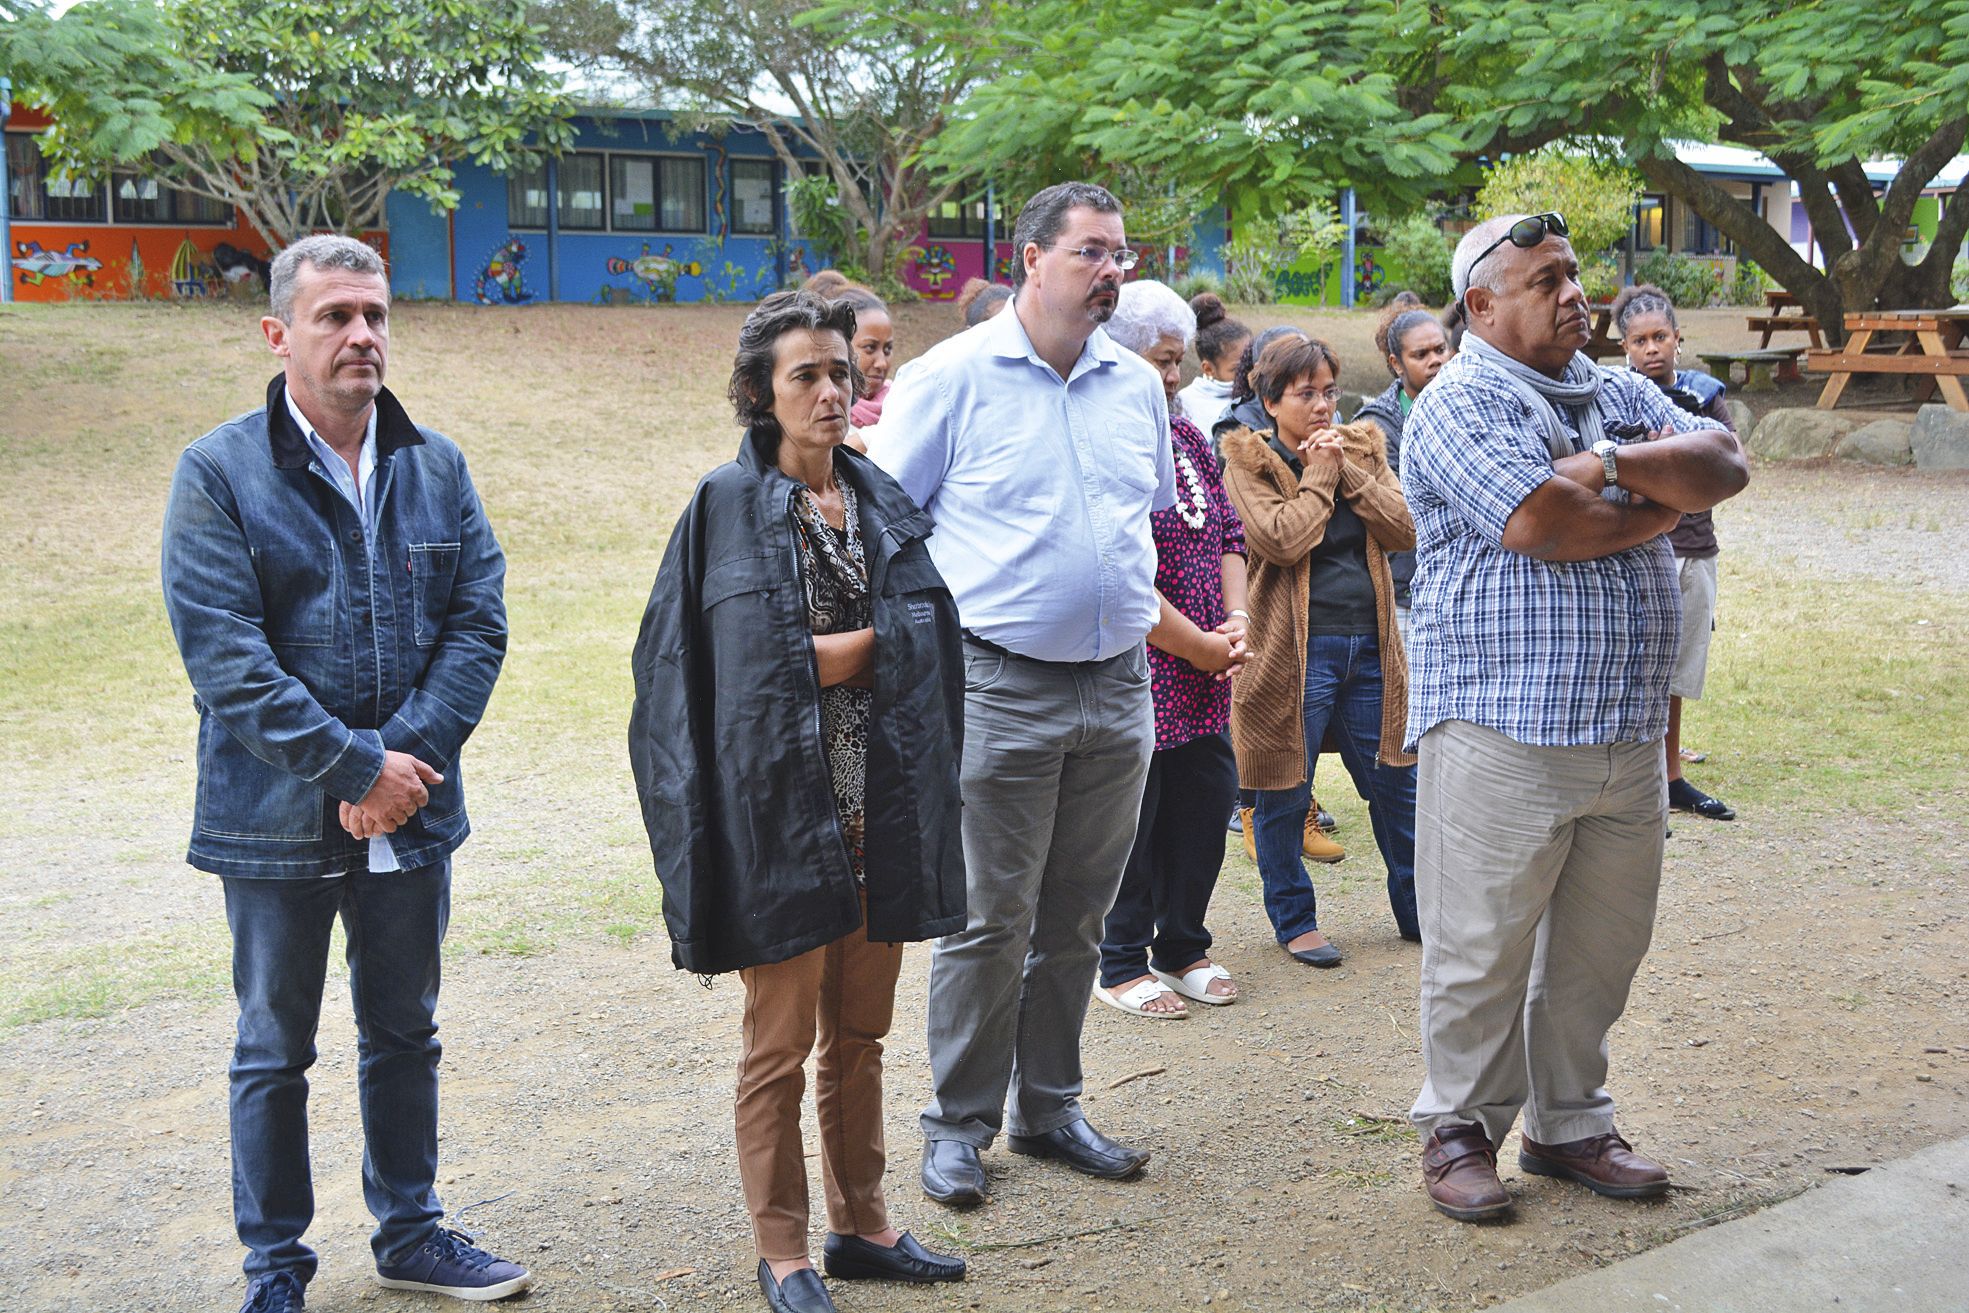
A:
<point x="1817" y="88"/>
<point x="1271" y="104"/>
<point x="1596" y="196"/>
<point x="305" y="114"/>
<point x="861" y="89"/>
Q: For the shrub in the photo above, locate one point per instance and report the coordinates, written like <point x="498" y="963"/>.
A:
<point x="1196" y="284"/>
<point x="1599" y="275"/>
<point x="1263" y="247"/>
<point x="1422" y="251"/>
<point x="1691" y="284"/>
<point x="1750" y="284"/>
<point x="1596" y="197"/>
<point x="1959" y="277"/>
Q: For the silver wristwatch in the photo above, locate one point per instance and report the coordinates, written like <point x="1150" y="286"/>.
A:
<point x="1605" y="449"/>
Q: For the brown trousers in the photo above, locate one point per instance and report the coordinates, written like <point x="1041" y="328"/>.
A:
<point x="846" y="993"/>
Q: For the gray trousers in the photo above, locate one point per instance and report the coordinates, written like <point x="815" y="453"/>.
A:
<point x="1536" y="871"/>
<point x="1054" y="761"/>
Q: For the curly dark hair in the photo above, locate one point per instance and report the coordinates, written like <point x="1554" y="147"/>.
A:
<point x="1641" y="299"/>
<point x="979" y="299"/>
<point x="751" y="388"/>
<point x="1216" y="331"/>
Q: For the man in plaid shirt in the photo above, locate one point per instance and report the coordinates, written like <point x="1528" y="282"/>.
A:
<point x="1545" y="622"/>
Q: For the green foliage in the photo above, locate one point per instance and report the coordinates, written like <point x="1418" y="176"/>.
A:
<point x="1262" y="247"/>
<point x="1690" y="284"/>
<point x="818" y="215"/>
<point x="1749" y="284"/>
<point x="1418" y="247"/>
<point x="1196" y="284"/>
<point x="1597" y="197"/>
<point x="305" y="113"/>
<point x="1959" y="278"/>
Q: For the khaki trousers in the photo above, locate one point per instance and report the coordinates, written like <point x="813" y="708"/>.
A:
<point x="1536" y="871"/>
<point x="844" y="993"/>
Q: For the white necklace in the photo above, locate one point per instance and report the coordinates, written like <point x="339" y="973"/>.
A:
<point x="1187" y="475"/>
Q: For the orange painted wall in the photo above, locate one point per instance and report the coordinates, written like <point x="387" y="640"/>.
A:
<point x="56" y="261"/>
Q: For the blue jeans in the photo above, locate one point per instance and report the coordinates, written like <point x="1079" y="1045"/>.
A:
<point x="1343" y="693"/>
<point x="394" y="924"/>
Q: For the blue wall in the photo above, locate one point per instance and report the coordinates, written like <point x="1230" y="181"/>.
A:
<point x="495" y="263"/>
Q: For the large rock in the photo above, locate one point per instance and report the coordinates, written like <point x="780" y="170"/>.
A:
<point x="1799" y="434"/>
<point x="1741" y="418"/>
<point x="1940" y="440"/>
<point x="1883" y="442"/>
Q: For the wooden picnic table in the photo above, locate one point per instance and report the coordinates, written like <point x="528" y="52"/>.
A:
<point x="1757" y="366"/>
<point x="1775" y="320"/>
<point x="1931" y="349"/>
<point x="1600" y="343"/>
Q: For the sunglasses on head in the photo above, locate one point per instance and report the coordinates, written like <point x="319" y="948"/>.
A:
<point x="1527" y="233"/>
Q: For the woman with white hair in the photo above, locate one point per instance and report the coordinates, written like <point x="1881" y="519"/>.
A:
<point x="1155" y="951"/>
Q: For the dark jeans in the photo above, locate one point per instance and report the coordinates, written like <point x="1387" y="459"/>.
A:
<point x="1343" y="692"/>
<point x="394" y="924"/>
<point x="1172" y="870"/>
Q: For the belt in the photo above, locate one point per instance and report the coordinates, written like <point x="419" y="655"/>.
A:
<point x="990" y="646"/>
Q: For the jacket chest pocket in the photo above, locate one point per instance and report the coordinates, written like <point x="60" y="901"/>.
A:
<point x="749" y="581"/>
<point x="299" y="593"/>
<point x="433" y="567"/>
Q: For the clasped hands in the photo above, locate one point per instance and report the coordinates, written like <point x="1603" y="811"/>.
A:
<point x="1224" y="651"/>
<point x="394" y="798"/>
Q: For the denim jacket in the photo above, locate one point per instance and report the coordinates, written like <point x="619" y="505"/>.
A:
<point x="311" y="652"/>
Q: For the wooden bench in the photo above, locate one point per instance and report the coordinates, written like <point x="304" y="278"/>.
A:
<point x="1931" y="349"/>
<point x="1776" y="323"/>
<point x="1757" y="366"/>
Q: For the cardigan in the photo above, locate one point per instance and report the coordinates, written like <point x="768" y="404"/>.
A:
<point x="1284" y="518"/>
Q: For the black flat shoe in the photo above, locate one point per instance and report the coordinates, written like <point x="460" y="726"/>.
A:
<point x="801" y="1292"/>
<point x="1326" y="955"/>
<point x="1686" y="797"/>
<point x="952" y="1173"/>
<point x="852" y="1258"/>
<point x="1084" y="1149"/>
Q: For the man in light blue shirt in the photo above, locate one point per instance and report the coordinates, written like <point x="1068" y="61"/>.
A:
<point x="1039" y="448"/>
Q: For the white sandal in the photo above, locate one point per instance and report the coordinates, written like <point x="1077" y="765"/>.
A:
<point x="1133" y="1001"/>
<point x="1196" y="984"/>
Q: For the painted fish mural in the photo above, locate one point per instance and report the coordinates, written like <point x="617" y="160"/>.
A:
<point x="657" y="271"/>
<point x="37" y="266"/>
<point x="501" y="281"/>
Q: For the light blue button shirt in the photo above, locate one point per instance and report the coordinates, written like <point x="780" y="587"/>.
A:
<point x="360" y="492"/>
<point x="1040" y="489"/>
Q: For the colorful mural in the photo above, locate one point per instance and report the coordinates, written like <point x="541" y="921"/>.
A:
<point x="73" y="262"/>
<point x="658" y="272"/>
<point x="935" y="267"/>
<point x="500" y="280"/>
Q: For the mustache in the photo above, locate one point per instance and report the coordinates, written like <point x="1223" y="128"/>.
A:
<point x="1111" y="289"/>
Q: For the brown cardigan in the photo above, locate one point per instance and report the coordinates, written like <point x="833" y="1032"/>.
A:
<point x="1284" y="519"/>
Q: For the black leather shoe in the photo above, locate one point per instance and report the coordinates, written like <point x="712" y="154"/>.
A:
<point x="854" y="1259"/>
<point x="1326" y="955"/>
<point x="801" y="1292"/>
<point x="1686" y="797"/>
<point x="952" y="1173"/>
<point x="1084" y="1149"/>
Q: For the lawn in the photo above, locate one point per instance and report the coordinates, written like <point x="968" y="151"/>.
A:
<point x="1821" y="937"/>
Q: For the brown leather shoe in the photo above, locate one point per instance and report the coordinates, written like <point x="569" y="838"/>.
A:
<point x="1604" y="1164"/>
<point x="1459" y="1170"/>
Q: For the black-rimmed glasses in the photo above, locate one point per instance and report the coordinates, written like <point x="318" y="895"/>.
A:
<point x="1525" y="234"/>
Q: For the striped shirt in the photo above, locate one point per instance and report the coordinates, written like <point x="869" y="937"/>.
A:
<point x="1549" y="653"/>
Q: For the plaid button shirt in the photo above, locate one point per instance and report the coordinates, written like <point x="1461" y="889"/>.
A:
<point x="1549" y="653"/>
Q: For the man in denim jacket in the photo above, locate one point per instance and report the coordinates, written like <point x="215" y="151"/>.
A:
<point x="337" y="597"/>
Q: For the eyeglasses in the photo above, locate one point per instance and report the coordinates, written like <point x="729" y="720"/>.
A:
<point x="1307" y="396"/>
<point x="1124" y="259"/>
<point x="1527" y="233"/>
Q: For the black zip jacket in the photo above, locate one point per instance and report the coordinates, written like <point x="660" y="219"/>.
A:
<point x="725" y="737"/>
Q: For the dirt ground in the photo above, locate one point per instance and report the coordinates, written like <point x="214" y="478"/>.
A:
<point x="1803" y="1012"/>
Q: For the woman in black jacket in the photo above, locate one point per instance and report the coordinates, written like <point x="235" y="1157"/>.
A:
<point x="796" y="734"/>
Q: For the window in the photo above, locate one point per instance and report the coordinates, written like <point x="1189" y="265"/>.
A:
<point x="136" y="198"/>
<point x="1648" y="222"/>
<point x="959" y="219"/>
<point x="683" y="194"/>
<point x="632" y="186"/>
<point x="581" y="192"/>
<point x="526" y="197"/>
<point x="34" y="193"/>
<point x="755" y="208"/>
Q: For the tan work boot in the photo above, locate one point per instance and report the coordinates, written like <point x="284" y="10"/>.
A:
<point x="1317" y="846"/>
<point x="1250" y="843"/>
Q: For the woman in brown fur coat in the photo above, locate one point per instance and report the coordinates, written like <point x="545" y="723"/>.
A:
<point x="1321" y="512"/>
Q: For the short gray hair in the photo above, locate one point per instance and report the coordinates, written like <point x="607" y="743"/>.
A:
<point x="1471" y="247"/>
<point x="1148" y="311"/>
<point x="321" y="251"/>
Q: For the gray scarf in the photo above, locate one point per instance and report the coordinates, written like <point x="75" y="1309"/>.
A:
<point x="1579" y="389"/>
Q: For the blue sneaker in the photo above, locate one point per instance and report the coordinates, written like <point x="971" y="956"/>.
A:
<point x="276" y="1292"/>
<point x="447" y="1263"/>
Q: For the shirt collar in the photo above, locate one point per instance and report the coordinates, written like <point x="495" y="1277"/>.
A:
<point x="309" y="431"/>
<point x="1009" y="341"/>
